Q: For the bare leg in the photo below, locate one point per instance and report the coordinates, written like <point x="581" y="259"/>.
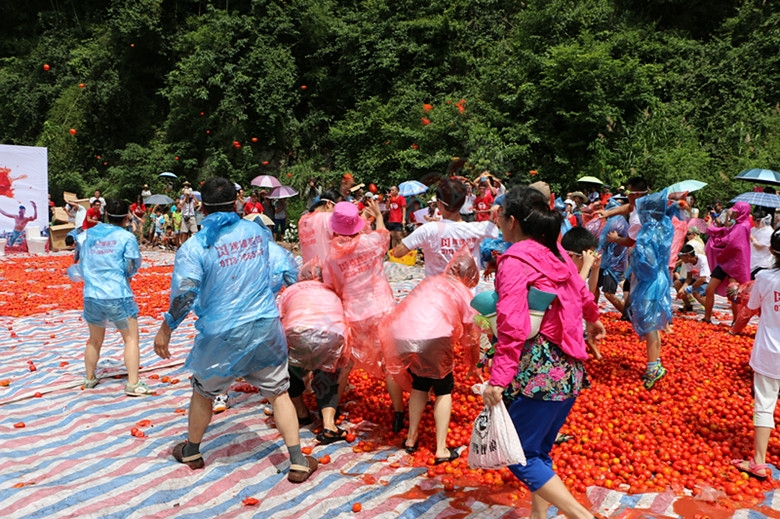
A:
<point x="616" y="302"/>
<point x="92" y="354"/>
<point x="329" y="418"/>
<point x="199" y="417"/>
<point x="555" y="492"/>
<point x="132" y="353"/>
<point x="285" y="418"/>
<point x="396" y="395"/>
<point x="442" y="409"/>
<point x="760" y="443"/>
<point x="417" y="401"/>
<point x="653" y="345"/>
<point x="709" y="298"/>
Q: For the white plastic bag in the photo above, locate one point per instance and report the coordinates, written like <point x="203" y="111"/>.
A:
<point x="494" y="441"/>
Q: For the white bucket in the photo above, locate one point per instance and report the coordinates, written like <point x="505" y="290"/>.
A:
<point x="37" y="245"/>
<point x="3" y="241"/>
<point x="33" y="231"/>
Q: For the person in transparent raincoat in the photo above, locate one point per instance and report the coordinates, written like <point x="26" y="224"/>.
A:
<point x="419" y="342"/>
<point x="651" y="282"/>
<point x="109" y="257"/>
<point x="223" y="275"/>
<point x="313" y="319"/>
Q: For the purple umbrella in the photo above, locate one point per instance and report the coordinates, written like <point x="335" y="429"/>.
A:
<point x="266" y="181"/>
<point x="283" y="192"/>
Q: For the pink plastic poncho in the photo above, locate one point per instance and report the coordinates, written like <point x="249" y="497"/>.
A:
<point x="420" y="333"/>
<point x="680" y="231"/>
<point x="314" y="235"/>
<point x="354" y="269"/>
<point x="729" y="247"/>
<point x="313" y="320"/>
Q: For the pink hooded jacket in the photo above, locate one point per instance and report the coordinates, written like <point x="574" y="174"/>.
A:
<point x="729" y="247"/>
<point x="529" y="263"/>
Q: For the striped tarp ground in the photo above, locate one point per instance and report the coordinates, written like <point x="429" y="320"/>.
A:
<point x="75" y="455"/>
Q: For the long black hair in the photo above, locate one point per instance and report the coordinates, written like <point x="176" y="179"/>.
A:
<point x="532" y="211"/>
<point x="775" y="244"/>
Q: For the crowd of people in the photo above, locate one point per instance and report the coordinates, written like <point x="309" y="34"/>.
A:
<point x="338" y="312"/>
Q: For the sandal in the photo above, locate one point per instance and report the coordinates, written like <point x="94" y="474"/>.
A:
<point x="752" y="469"/>
<point x="299" y="473"/>
<point x="326" y="437"/>
<point x="454" y="454"/>
<point x="410" y="449"/>
<point x="194" y="462"/>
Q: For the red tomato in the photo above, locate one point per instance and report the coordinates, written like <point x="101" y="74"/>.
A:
<point x="357" y="507"/>
<point x="250" y="501"/>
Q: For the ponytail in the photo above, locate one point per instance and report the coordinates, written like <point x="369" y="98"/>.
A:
<point x="532" y="211"/>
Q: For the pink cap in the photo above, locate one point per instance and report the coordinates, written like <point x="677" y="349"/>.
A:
<point x="346" y="219"/>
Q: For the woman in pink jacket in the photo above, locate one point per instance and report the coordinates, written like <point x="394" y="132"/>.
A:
<point x="539" y="377"/>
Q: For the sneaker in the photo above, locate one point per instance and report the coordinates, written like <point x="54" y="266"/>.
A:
<point x="221" y="403"/>
<point x="654" y="376"/>
<point x="137" y="389"/>
<point x="90" y="383"/>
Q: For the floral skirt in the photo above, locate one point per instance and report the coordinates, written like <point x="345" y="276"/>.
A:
<point x="545" y="372"/>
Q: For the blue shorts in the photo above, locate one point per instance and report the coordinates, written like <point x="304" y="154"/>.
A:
<point x="101" y="312"/>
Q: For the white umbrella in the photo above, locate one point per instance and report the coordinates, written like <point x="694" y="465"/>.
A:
<point x="590" y="180"/>
<point x="167" y="174"/>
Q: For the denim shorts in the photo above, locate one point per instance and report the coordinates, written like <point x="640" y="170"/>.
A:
<point x="101" y="312"/>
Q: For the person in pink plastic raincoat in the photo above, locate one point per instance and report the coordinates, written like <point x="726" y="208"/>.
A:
<point x="419" y="341"/>
<point x="354" y="269"/>
<point x="728" y="253"/>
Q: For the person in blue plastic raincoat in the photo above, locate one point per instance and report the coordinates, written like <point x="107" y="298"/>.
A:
<point x="614" y="256"/>
<point x="223" y="275"/>
<point x="109" y="258"/>
<point x="651" y="282"/>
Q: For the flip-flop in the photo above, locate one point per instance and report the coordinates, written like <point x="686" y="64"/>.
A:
<point x="454" y="454"/>
<point x="326" y="437"/>
<point x="194" y="462"/>
<point x="299" y="473"/>
<point x="752" y="469"/>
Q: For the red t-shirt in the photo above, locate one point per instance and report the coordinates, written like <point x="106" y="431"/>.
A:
<point x="91" y="213"/>
<point x="483" y="203"/>
<point x="138" y="210"/>
<point x="253" y="207"/>
<point x="396" y="206"/>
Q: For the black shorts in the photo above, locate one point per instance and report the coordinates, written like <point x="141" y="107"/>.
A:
<point x="441" y="386"/>
<point x="394" y="226"/>
<point x="719" y="273"/>
<point x="608" y="283"/>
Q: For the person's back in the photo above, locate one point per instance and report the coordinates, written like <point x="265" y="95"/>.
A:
<point x="234" y="275"/>
<point x="109" y="255"/>
<point x="355" y="270"/>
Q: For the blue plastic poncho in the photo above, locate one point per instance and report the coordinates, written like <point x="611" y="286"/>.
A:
<point x="651" y="298"/>
<point x="284" y="268"/>
<point x="223" y="275"/>
<point x="109" y="257"/>
<point x="490" y="245"/>
<point x="613" y="255"/>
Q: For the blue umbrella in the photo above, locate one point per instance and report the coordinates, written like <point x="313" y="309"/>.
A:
<point x="167" y="174"/>
<point x="686" y="186"/>
<point x="761" y="176"/>
<point x="411" y="188"/>
<point x="756" y="198"/>
<point x="158" y="199"/>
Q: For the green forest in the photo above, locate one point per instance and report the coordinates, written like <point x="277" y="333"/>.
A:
<point x="122" y="90"/>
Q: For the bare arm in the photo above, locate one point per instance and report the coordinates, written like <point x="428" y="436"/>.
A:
<point x="372" y="208"/>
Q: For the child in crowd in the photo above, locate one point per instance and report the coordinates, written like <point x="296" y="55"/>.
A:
<point x="651" y="282"/>
<point x="581" y="245"/>
<point x="109" y="257"/>
<point x="697" y="274"/>
<point x="765" y="361"/>
<point x="169" y="239"/>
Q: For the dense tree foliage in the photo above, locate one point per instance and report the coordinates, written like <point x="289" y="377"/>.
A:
<point x="392" y="90"/>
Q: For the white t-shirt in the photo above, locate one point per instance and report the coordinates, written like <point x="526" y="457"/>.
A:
<point x="701" y="268"/>
<point x="441" y="240"/>
<point x="468" y="205"/>
<point x="765" y="358"/>
<point x="634" y="224"/>
<point x="761" y="257"/>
